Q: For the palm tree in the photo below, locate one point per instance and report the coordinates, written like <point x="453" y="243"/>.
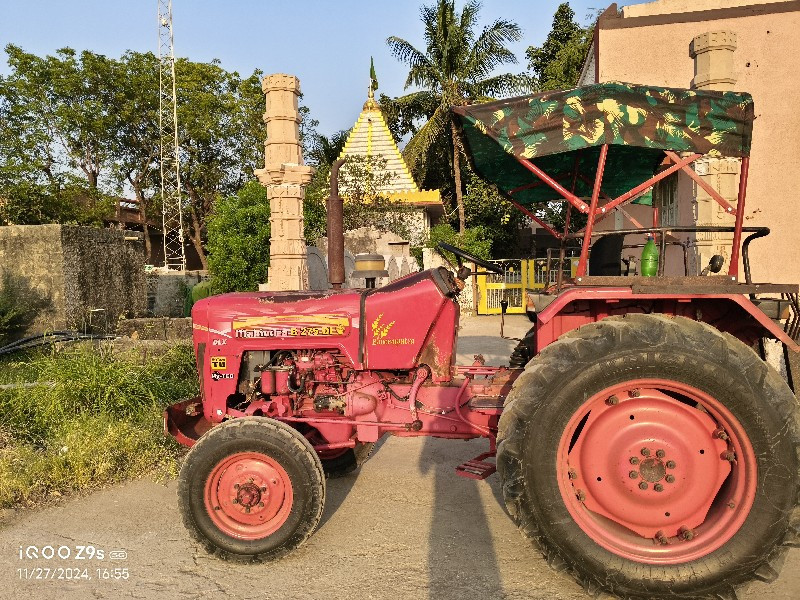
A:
<point x="456" y="69"/>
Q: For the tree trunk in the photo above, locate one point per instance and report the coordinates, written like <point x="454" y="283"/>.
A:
<point x="197" y="238"/>
<point x="457" y="174"/>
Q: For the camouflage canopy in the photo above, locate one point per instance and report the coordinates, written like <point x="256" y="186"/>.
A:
<point x="556" y="129"/>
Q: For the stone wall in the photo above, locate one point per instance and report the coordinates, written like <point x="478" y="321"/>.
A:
<point x="92" y="277"/>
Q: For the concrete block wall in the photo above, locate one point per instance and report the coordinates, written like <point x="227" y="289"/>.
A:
<point x="92" y="277"/>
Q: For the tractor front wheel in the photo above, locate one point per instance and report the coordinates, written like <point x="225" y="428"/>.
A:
<point x="251" y="489"/>
<point x="652" y="457"/>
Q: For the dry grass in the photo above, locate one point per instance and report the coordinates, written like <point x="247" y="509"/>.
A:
<point x="95" y="420"/>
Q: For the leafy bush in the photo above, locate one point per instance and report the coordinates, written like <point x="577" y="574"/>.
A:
<point x="474" y="240"/>
<point x="238" y="240"/>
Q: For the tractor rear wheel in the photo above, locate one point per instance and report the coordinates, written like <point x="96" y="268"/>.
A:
<point x="653" y="457"/>
<point x="251" y="489"/>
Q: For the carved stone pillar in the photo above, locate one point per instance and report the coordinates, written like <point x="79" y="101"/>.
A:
<point x="714" y="69"/>
<point x="285" y="177"/>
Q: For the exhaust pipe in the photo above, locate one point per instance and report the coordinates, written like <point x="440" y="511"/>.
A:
<point x="335" y="210"/>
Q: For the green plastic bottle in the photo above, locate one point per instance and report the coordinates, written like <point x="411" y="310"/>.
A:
<point x="650" y="258"/>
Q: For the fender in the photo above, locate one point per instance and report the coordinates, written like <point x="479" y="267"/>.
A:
<point x="732" y="313"/>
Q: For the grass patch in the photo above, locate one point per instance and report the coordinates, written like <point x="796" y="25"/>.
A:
<point x="95" y="419"/>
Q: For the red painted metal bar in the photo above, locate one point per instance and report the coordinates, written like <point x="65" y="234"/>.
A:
<point x="575" y="175"/>
<point x="629" y="216"/>
<point x="571" y="198"/>
<point x="708" y="189"/>
<point x="652" y="181"/>
<point x="587" y="236"/>
<point x="544" y="225"/>
<point x="536" y="184"/>
<point x="733" y="269"/>
<point x="608" y="198"/>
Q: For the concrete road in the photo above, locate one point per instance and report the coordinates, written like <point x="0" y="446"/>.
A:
<point x="404" y="526"/>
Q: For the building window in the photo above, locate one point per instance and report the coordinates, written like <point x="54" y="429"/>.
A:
<point x="665" y="199"/>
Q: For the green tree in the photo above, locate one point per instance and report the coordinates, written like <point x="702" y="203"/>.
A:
<point x="456" y="68"/>
<point x="57" y="117"/>
<point x="220" y="134"/>
<point x="497" y="218"/>
<point x="476" y="241"/>
<point x="238" y="239"/>
<point x="556" y="64"/>
<point x="135" y="150"/>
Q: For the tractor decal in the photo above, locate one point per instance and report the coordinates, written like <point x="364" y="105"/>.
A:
<point x="291" y="326"/>
<point x="380" y="331"/>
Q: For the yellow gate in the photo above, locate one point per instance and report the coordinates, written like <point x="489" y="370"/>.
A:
<point x="519" y="276"/>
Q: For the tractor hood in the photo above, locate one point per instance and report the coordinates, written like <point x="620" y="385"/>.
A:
<point x="410" y="320"/>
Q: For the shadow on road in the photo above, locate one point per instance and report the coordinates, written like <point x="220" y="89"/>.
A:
<point x="337" y="489"/>
<point x="460" y="547"/>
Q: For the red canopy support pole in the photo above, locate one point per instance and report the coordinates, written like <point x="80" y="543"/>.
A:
<point x="575" y="175"/>
<point x="587" y="235"/>
<point x="679" y="164"/>
<point x="733" y="269"/>
<point x="699" y="180"/>
<point x="544" y="225"/>
<point x="571" y="198"/>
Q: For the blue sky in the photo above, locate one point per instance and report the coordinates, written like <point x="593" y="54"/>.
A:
<point x="327" y="44"/>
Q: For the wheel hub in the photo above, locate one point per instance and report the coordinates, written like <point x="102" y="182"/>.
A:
<point x="652" y="470"/>
<point x="248" y="495"/>
<point x="654" y="429"/>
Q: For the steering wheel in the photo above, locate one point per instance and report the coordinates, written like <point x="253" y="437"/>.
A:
<point x="461" y="254"/>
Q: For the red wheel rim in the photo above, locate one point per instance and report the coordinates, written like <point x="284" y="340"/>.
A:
<point x="656" y="471"/>
<point x="248" y="495"/>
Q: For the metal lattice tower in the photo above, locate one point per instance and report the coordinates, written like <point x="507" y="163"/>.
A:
<point x="174" y="255"/>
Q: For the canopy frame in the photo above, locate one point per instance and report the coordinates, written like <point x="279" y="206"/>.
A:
<point x="596" y="212"/>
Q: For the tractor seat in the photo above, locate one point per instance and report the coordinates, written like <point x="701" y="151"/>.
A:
<point x="606" y="256"/>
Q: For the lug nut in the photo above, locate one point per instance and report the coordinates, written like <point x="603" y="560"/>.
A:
<point x="573" y="474"/>
<point x="658" y="487"/>
<point x="236" y="501"/>
<point x="581" y="496"/>
<point x="670" y="479"/>
<point x="645" y="452"/>
<point x="236" y="486"/>
<point x="661" y="538"/>
<point x="685" y="533"/>
<point x="670" y="464"/>
<point x="633" y="474"/>
<point x="660" y="453"/>
<point x="634" y="460"/>
<point x="612" y="401"/>
<point x="731" y="504"/>
<point x="247" y="509"/>
<point x="720" y="433"/>
<point x="642" y="485"/>
<point x="634" y="393"/>
<point x="264" y="489"/>
<point x="729" y="456"/>
<point x="260" y="505"/>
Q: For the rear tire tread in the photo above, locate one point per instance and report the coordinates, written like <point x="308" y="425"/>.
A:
<point x="567" y="355"/>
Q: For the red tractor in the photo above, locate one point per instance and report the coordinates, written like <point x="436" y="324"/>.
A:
<point x="644" y="443"/>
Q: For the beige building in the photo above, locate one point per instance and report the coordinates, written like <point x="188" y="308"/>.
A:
<point x="720" y="45"/>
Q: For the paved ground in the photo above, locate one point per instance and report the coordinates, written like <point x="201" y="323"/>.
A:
<point x="405" y="526"/>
